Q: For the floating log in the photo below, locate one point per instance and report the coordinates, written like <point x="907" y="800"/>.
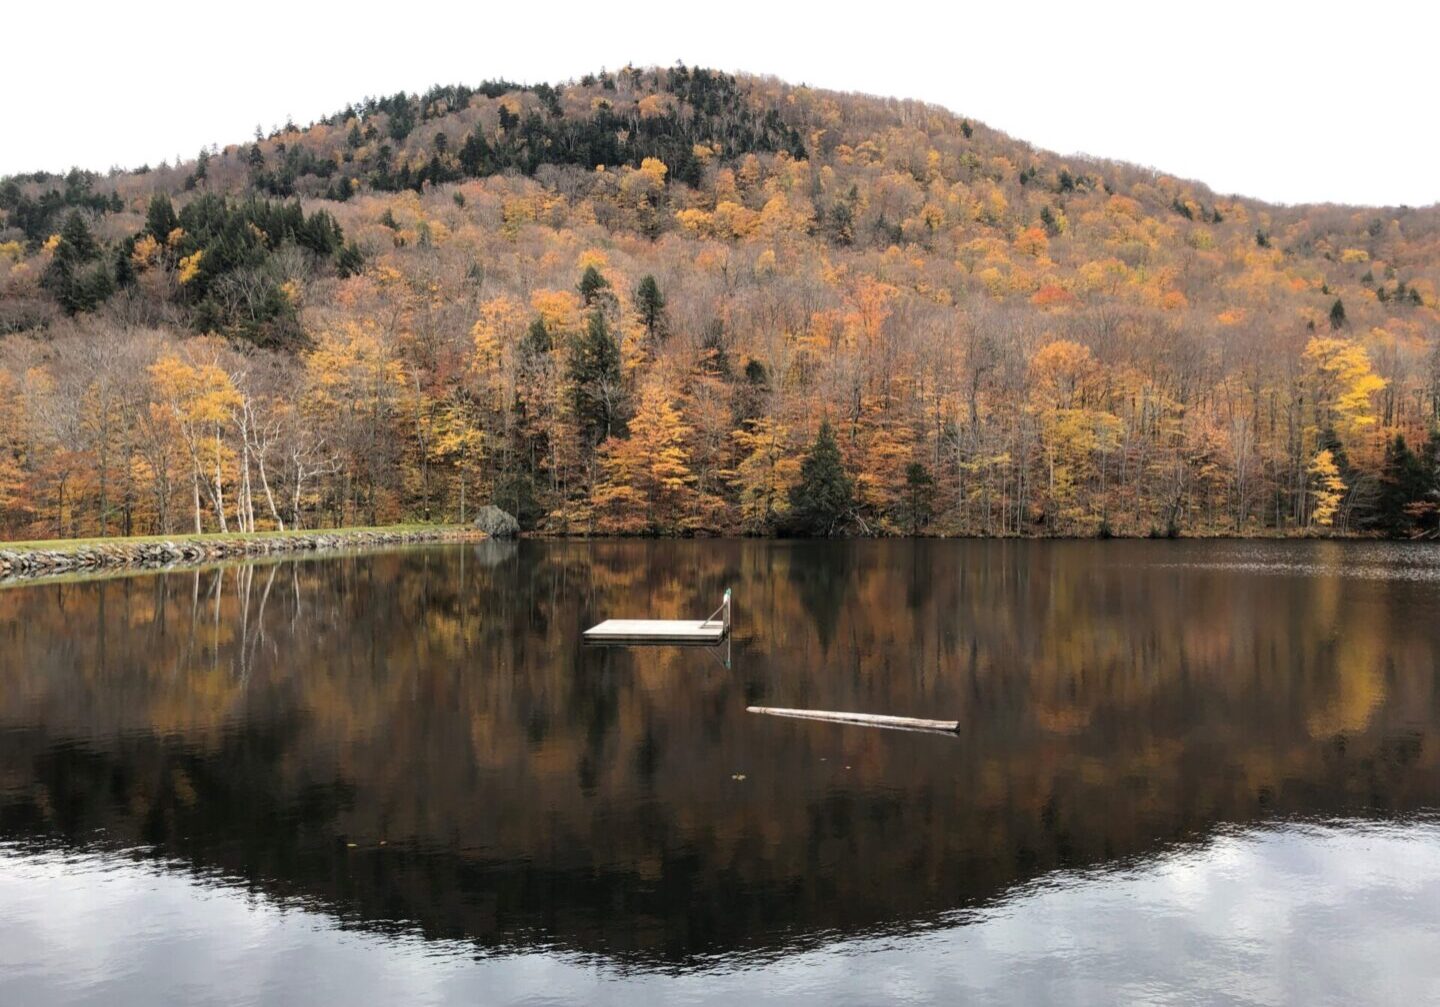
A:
<point x="863" y="719"/>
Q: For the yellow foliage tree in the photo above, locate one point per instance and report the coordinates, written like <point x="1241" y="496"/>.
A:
<point x="190" y="266"/>
<point x="766" y="472"/>
<point x="647" y="480"/>
<point x="198" y="399"/>
<point x="1328" y="489"/>
<point x="558" y="309"/>
<point x="1344" y="385"/>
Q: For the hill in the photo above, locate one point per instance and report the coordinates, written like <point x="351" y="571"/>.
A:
<point x="628" y="303"/>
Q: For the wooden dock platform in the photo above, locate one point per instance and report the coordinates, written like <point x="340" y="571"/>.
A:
<point x="863" y="719"/>
<point x="681" y="631"/>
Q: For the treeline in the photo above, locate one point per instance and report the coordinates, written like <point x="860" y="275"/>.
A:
<point x="714" y="305"/>
<point x="36" y="214"/>
<point x="571" y="412"/>
<point x="687" y="109"/>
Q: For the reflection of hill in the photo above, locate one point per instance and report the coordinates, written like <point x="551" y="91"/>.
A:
<point x="259" y="720"/>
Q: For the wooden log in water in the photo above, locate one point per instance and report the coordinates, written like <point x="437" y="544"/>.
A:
<point x="863" y="719"/>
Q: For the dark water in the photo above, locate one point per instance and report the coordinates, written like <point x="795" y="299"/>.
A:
<point x="1186" y="772"/>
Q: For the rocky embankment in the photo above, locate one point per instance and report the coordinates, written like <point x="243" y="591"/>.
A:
<point x="120" y="553"/>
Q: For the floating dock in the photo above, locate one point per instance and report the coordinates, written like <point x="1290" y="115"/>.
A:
<point x="681" y="631"/>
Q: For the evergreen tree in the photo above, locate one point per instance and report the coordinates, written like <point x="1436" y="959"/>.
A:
<point x="824" y="496"/>
<point x="595" y="372"/>
<point x="591" y="285"/>
<point x="1337" y="314"/>
<point x="1404" y="483"/>
<point x="841" y="224"/>
<point x="537" y="341"/>
<point x="160" y="218"/>
<point x="919" y="505"/>
<point x="1427" y="509"/>
<point x="76" y="242"/>
<point x="351" y="260"/>
<point x="124" y="268"/>
<point x="475" y="155"/>
<point x="77" y="284"/>
<point x="650" y="304"/>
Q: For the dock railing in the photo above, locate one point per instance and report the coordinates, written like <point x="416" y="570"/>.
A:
<point x="723" y="611"/>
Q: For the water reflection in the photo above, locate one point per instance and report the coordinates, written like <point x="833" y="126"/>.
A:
<point x="1300" y="914"/>
<point x="417" y="742"/>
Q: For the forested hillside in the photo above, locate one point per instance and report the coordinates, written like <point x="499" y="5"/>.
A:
<point x="680" y="302"/>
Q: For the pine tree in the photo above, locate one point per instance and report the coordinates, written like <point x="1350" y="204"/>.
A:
<point x="1337" y="314"/>
<point x="825" y="495"/>
<point x="351" y="260"/>
<point x="591" y="285"/>
<point x="76" y="243"/>
<point x="1404" y="482"/>
<point x="475" y="155"/>
<point x="841" y="223"/>
<point x="595" y="372"/>
<point x="650" y="304"/>
<point x="537" y="341"/>
<point x="919" y="504"/>
<point x="77" y="285"/>
<point x="160" y="218"/>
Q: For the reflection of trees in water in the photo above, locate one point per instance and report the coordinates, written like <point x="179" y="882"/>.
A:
<point x="818" y="574"/>
<point x="259" y="718"/>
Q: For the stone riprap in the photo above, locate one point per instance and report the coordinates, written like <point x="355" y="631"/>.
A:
<point x="117" y="553"/>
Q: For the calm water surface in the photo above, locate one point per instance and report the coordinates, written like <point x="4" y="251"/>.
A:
<point x="1186" y="772"/>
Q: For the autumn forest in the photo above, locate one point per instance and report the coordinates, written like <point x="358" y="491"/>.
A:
<point x="673" y="301"/>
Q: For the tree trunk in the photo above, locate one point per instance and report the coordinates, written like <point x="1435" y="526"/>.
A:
<point x="219" y="486"/>
<point x="195" y="486"/>
<point x="269" y="497"/>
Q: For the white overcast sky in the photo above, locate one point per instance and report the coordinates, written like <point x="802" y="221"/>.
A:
<point x="1290" y="102"/>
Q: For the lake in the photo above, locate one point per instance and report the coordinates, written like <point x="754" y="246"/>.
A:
<point x="1186" y="772"/>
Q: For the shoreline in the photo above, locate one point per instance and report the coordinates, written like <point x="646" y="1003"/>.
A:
<point x="24" y="561"/>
